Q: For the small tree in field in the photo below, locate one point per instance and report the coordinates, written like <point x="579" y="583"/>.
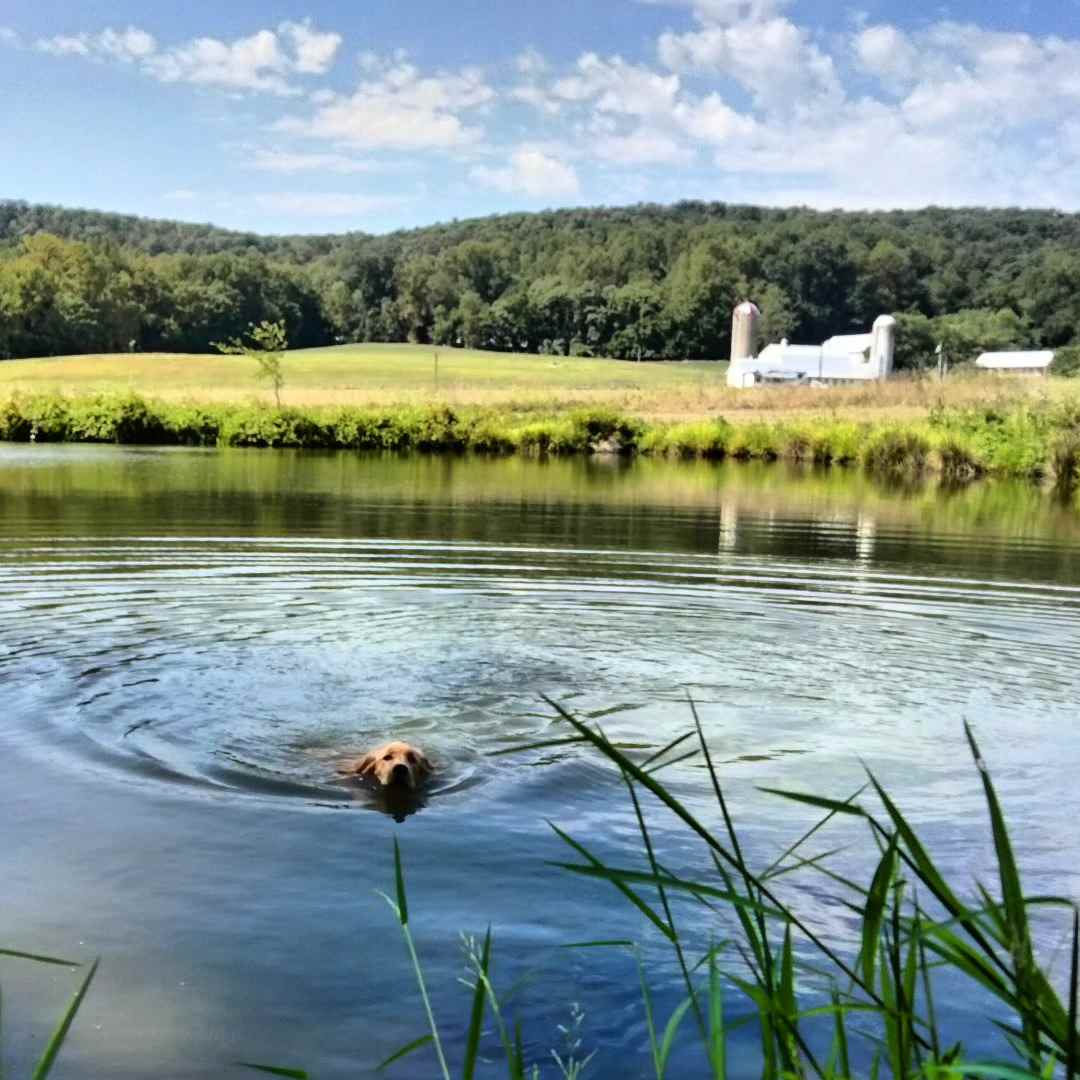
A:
<point x="266" y="345"/>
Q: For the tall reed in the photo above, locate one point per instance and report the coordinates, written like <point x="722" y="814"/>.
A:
<point x="60" y="1032"/>
<point x="914" y="927"/>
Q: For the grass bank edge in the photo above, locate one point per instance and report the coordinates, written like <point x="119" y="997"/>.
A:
<point x="1035" y="441"/>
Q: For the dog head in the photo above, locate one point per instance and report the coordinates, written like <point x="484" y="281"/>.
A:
<point x="393" y="764"/>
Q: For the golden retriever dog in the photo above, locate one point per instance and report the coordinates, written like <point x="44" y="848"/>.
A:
<point x="394" y="764"/>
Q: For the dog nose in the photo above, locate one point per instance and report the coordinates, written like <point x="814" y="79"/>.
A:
<point x="400" y="772"/>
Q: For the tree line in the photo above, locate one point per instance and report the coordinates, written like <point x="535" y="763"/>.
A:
<point x="643" y="282"/>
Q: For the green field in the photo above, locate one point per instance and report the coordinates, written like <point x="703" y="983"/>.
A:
<point x="393" y="375"/>
<point x="381" y="375"/>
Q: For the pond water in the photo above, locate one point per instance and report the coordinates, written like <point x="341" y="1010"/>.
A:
<point x="191" y="641"/>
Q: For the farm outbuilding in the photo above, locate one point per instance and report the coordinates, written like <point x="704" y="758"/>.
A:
<point x="842" y="359"/>
<point x="1020" y="362"/>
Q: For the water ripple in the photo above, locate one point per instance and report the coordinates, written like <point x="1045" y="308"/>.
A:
<point x="253" y="665"/>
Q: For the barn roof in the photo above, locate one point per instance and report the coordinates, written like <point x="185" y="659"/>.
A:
<point x="1018" y="359"/>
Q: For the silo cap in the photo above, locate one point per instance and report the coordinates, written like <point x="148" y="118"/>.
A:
<point x="747" y="307"/>
<point x="884" y="320"/>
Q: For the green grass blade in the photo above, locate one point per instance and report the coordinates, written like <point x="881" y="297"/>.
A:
<point x="959" y="954"/>
<point x="399" y="881"/>
<point x="874" y="912"/>
<point x="917" y="857"/>
<point x="670" y="1030"/>
<point x="840" y="1039"/>
<point x="1016" y="918"/>
<point x="643" y="877"/>
<point x="717" y="1035"/>
<point x="407" y="1049"/>
<point x="677" y="741"/>
<point x="650" y="1024"/>
<point x="402" y="910"/>
<point x="598" y="869"/>
<point x="754" y="924"/>
<point x="928" y="993"/>
<point x="668" y="915"/>
<point x="472" y="1040"/>
<point x="671" y="761"/>
<point x="811" y="862"/>
<point x="834" y="806"/>
<point x="608" y="944"/>
<point x="48" y="1058"/>
<point x="276" y="1070"/>
<point x="522" y="748"/>
<point x="1074" y="989"/>
<point x="788" y="1005"/>
<point x="719" y="850"/>
<point x="788" y="852"/>
<point x="992" y="1071"/>
<point x="37" y="957"/>
<point x="517" y="1062"/>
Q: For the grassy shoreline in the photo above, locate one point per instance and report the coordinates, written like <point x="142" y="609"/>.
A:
<point x="1035" y="441"/>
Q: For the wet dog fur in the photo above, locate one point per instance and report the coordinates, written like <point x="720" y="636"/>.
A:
<point x="394" y="764"/>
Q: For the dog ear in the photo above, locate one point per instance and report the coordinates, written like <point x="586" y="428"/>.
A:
<point x="423" y="762"/>
<point x="365" y="765"/>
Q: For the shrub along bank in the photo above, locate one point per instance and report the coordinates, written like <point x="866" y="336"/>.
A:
<point x="1019" y="441"/>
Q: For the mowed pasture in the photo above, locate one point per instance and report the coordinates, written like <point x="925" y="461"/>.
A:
<point x="386" y="375"/>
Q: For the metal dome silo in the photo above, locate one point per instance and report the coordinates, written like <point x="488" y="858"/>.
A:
<point x="744" y="330"/>
<point x="883" y="348"/>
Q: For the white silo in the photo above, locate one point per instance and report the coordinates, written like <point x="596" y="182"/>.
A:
<point x="744" y="330"/>
<point x="883" y="347"/>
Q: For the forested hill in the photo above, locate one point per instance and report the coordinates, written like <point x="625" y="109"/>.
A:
<point x="154" y="236"/>
<point x="645" y="281"/>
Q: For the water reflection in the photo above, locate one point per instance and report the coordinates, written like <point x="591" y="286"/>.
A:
<point x="399" y="802"/>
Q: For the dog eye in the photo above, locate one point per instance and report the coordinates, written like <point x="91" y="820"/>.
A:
<point x="388" y="757"/>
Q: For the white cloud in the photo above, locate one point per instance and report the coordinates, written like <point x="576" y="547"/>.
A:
<point x="641" y="147"/>
<point x="885" y="52"/>
<point x="65" y="45"/>
<point x="283" y="161"/>
<point x="531" y="172"/>
<point x="262" y="61"/>
<point x="532" y="68"/>
<point x="327" y="204"/>
<point x="712" y="120"/>
<point x="538" y="97"/>
<point x="127" y="45"/>
<point x="531" y="62"/>
<point x="774" y="60"/>
<point x="400" y="109"/>
<point x="616" y="86"/>
<point x="249" y="63"/>
<point x="956" y="113"/>
<point x="726" y="11"/>
<point x="315" y="51"/>
<point x="10" y="36"/>
<point x="758" y="103"/>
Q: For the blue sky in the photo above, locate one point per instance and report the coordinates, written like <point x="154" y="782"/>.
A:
<point x="308" y="116"/>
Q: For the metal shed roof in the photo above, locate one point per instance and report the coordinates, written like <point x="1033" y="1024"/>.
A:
<point x="1019" y="359"/>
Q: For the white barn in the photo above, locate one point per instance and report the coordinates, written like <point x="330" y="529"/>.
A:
<point x="1020" y="362"/>
<point x="841" y="359"/>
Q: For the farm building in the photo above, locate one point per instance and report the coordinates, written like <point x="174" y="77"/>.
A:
<point x="1029" y="362"/>
<point x="846" y="358"/>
